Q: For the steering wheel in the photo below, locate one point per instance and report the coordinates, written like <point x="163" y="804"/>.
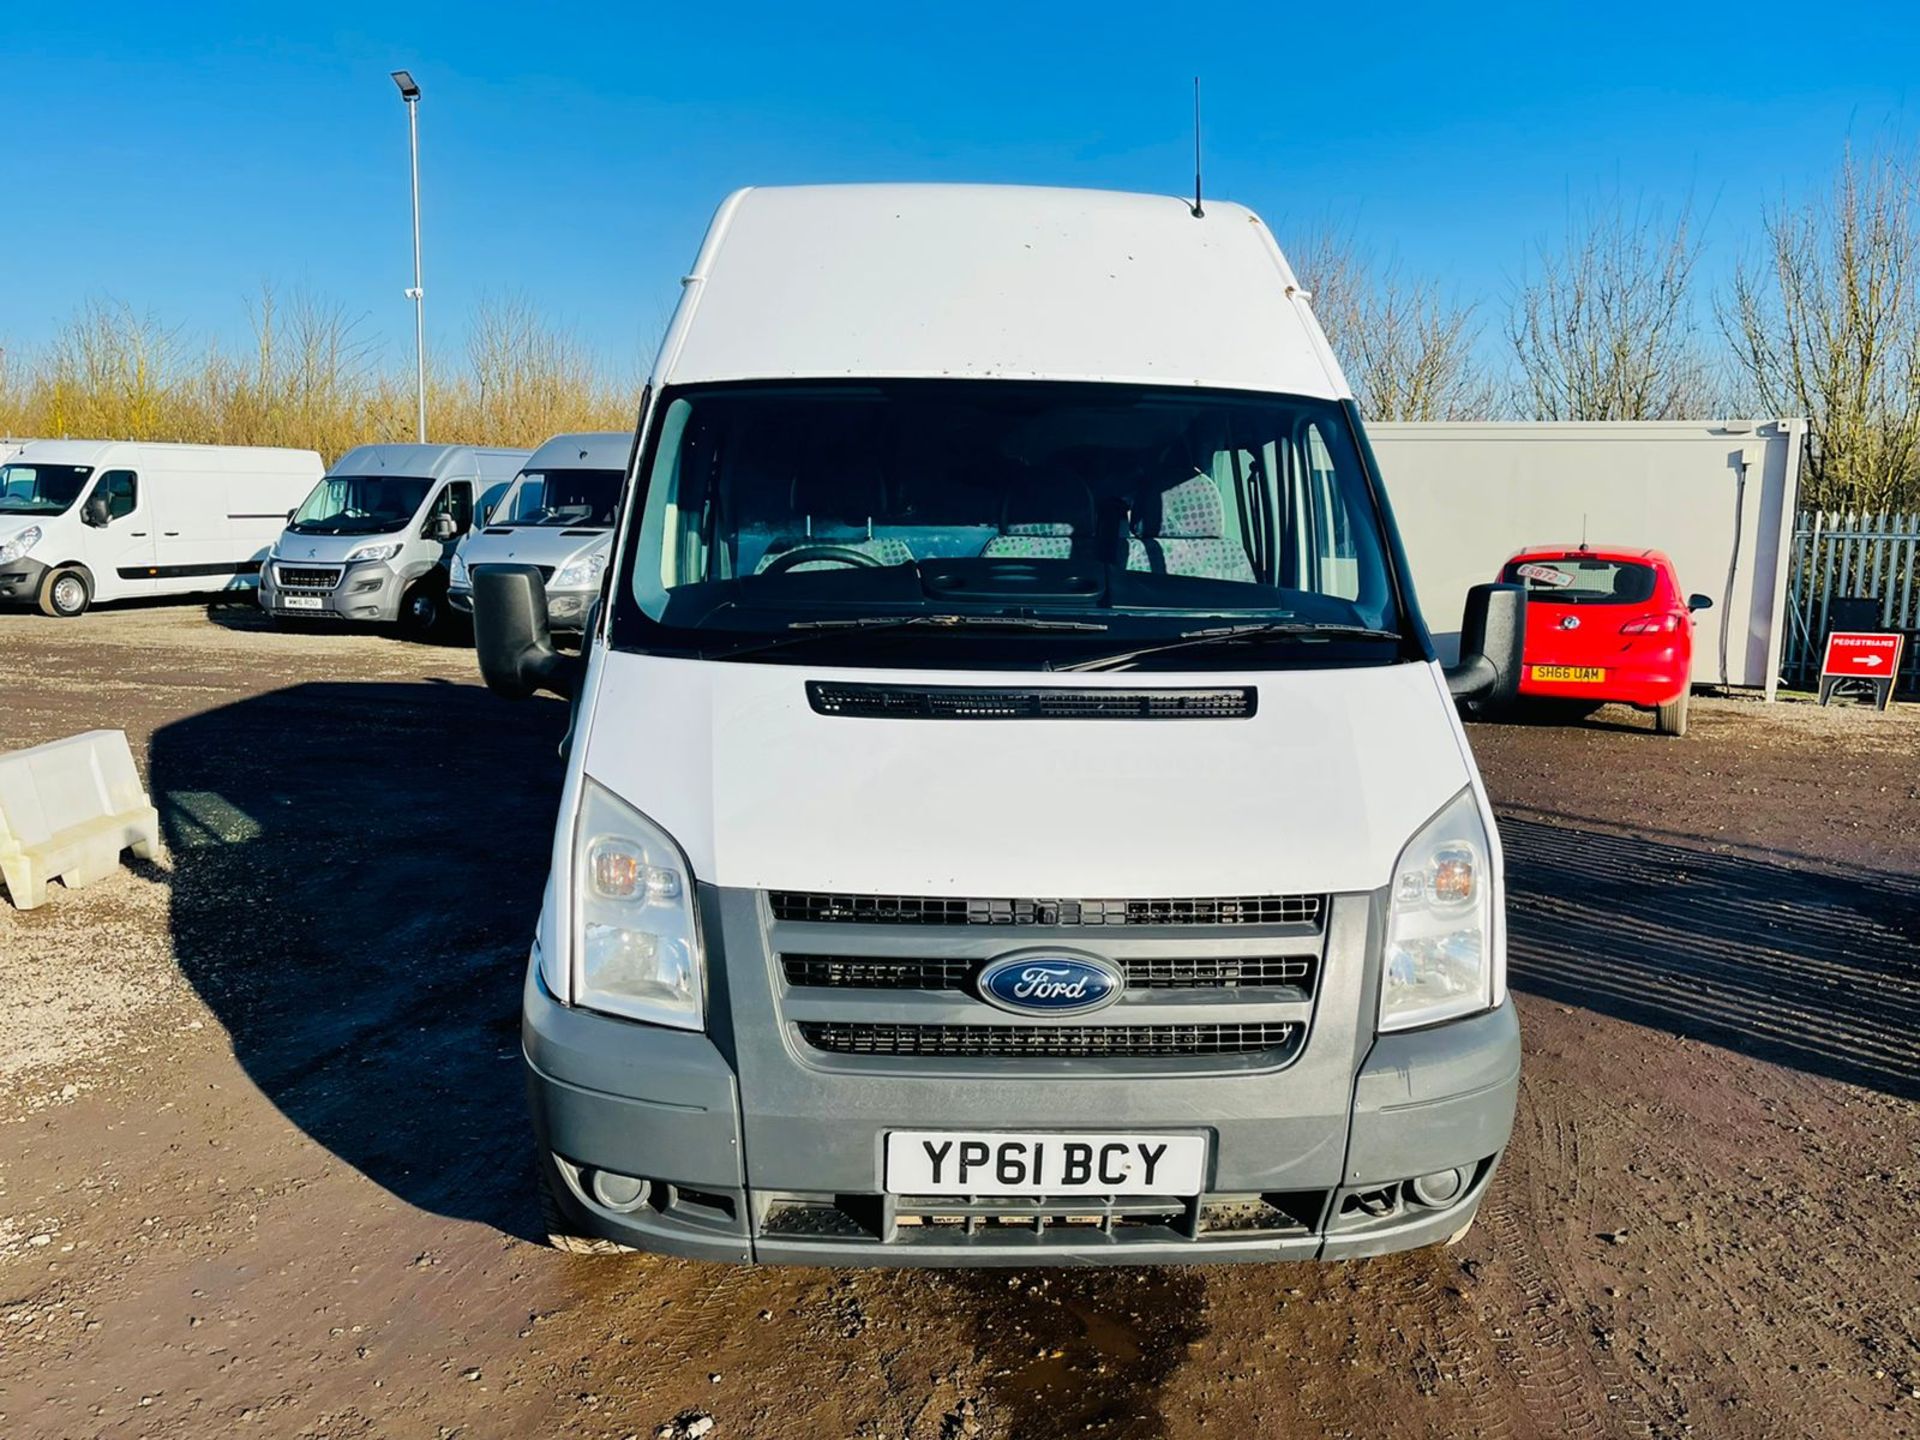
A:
<point x="838" y="554"/>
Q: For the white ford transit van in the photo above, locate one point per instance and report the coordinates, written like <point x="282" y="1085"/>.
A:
<point x="87" y="520"/>
<point x="1013" y="812"/>
<point x="557" y="517"/>
<point x="372" y="540"/>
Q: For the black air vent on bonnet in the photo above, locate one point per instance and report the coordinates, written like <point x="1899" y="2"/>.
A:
<point x="954" y="702"/>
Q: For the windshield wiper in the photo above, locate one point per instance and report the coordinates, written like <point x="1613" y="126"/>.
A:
<point x="1235" y="634"/>
<point x="815" y="629"/>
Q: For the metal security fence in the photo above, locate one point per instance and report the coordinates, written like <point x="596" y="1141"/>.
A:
<point x="1838" y="557"/>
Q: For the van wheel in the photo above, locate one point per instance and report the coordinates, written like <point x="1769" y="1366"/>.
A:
<point x="1671" y="719"/>
<point x="66" y="593"/>
<point x="421" y="611"/>
<point x="1457" y="1236"/>
<point x="559" y="1229"/>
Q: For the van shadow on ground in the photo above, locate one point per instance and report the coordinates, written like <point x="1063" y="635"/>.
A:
<point x="1816" y="970"/>
<point x="357" y="869"/>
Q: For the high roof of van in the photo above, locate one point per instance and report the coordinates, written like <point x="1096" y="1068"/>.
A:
<point x="993" y="281"/>
<point x="589" y="450"/>
<point x="94" y="452"/>
<point x="431" y="461"/>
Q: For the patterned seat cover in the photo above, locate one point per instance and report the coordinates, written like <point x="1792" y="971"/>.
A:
<point x="1183" y="532"/>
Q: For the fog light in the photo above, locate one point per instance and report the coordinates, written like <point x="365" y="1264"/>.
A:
<point x="1443" y="1187"/>
<point x="617" y="1191"/>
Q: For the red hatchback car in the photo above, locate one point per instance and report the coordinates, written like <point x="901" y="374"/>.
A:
<point x="1607" y="625"/>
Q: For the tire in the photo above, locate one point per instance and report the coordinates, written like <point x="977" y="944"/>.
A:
<point x="1671" y="718"/>
<point x="66" y="593"/>
<point x="1457" y="1236"/>
<point x="559" y="1229"/>
<point x="423" y="610"/>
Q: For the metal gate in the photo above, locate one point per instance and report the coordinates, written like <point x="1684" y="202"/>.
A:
<point x="1835" y="556"/>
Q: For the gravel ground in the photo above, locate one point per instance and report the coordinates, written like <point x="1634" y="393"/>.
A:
<point x="263" y="1156"/>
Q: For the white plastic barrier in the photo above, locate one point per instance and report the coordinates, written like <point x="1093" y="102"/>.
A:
<point x="67" y="810"/>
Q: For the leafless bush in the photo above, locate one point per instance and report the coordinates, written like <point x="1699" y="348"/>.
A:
<point x="312" y="378"/>
<point x="1827" y="325"/>
<point x="1605" y="330"/>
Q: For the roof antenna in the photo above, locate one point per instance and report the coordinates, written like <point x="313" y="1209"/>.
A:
<point x="1198" y="212"/>
<point x="1583" y="529"/>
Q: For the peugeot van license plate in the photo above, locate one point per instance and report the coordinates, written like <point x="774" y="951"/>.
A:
<point x="969" y="1162"/>
<point x="1570" y="674"/>
<point x="301" y="602"/>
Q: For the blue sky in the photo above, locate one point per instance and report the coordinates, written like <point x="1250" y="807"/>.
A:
<point x="572" y="156"/>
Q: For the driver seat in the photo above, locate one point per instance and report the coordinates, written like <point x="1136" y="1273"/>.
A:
<point x="836" y="506"/>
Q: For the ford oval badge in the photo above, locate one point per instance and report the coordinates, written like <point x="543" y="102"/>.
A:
<point x="1050" y="982"/>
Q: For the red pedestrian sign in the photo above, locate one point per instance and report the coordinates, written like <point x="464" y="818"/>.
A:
<point x="1861" y="655"/>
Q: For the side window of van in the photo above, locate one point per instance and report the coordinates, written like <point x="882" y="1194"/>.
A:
<point x="456" y="500"/>
<point x="122" y="489"/>
<point x="1334" y="556"/>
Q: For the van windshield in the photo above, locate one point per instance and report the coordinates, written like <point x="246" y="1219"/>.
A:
<point x="1019" y="523"/>
<point x="579" y="499"/>
<point x="41" y="489"/>
<point x="360" y="505"/>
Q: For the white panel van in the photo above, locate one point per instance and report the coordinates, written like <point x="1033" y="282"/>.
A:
<point x="372" y="540"/>
<point x="88" y="520"/>
<point x="557" y="517"/>
<point x="1013" y="813"/>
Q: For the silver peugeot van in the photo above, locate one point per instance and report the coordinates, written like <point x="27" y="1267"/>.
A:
<point x="1014" y="813"/>
<point x="373" y="539"/>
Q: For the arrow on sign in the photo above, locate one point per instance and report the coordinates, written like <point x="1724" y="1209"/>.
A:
<point x="1872" y="660"/>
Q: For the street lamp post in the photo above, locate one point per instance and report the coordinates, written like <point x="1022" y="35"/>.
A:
<point x="410" y="92"/>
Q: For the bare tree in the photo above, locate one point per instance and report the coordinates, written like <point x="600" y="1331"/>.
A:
<point x="1408" y="350"/>
<point x="1605" y="330"/>
<point x="1828" y="326"/>
<point x="113" y="371"/>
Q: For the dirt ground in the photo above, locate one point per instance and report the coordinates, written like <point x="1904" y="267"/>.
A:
<point x="264" y="1167"/>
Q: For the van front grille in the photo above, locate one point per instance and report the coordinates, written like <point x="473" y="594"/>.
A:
<point x="814" y="907"/>
<point x="926" y="972"/>
<point x="292" y="577"/>
<point x="852" y="1037"/>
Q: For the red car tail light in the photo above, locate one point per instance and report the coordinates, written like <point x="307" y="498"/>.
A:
<point x="1651" y="625"/>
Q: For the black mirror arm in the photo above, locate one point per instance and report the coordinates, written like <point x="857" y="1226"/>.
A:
<point x="1472" y="678"/>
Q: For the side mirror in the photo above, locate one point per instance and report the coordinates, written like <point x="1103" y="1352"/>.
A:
<point x="1493" y="634"/>
<point x="1699" y="602"/>
<point x="290" y="515"/>
<point x="510" y="633"/>
<point x="442" y="528"/>
<point x="97" y="511"/>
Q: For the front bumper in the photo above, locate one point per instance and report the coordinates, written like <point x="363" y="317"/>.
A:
<point x="753" y="1149"/>
<point x="20" y="581"/>
<point x="367" y="591"/>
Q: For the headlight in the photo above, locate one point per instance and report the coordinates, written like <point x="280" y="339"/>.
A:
<point x="20" y="544"/>
<point x="374" y="552"/>
<point x="636" y="941"/>
<point x="1440" y="958"/>
<point x="582" y="574"/>
<point x="457" y="575"/>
